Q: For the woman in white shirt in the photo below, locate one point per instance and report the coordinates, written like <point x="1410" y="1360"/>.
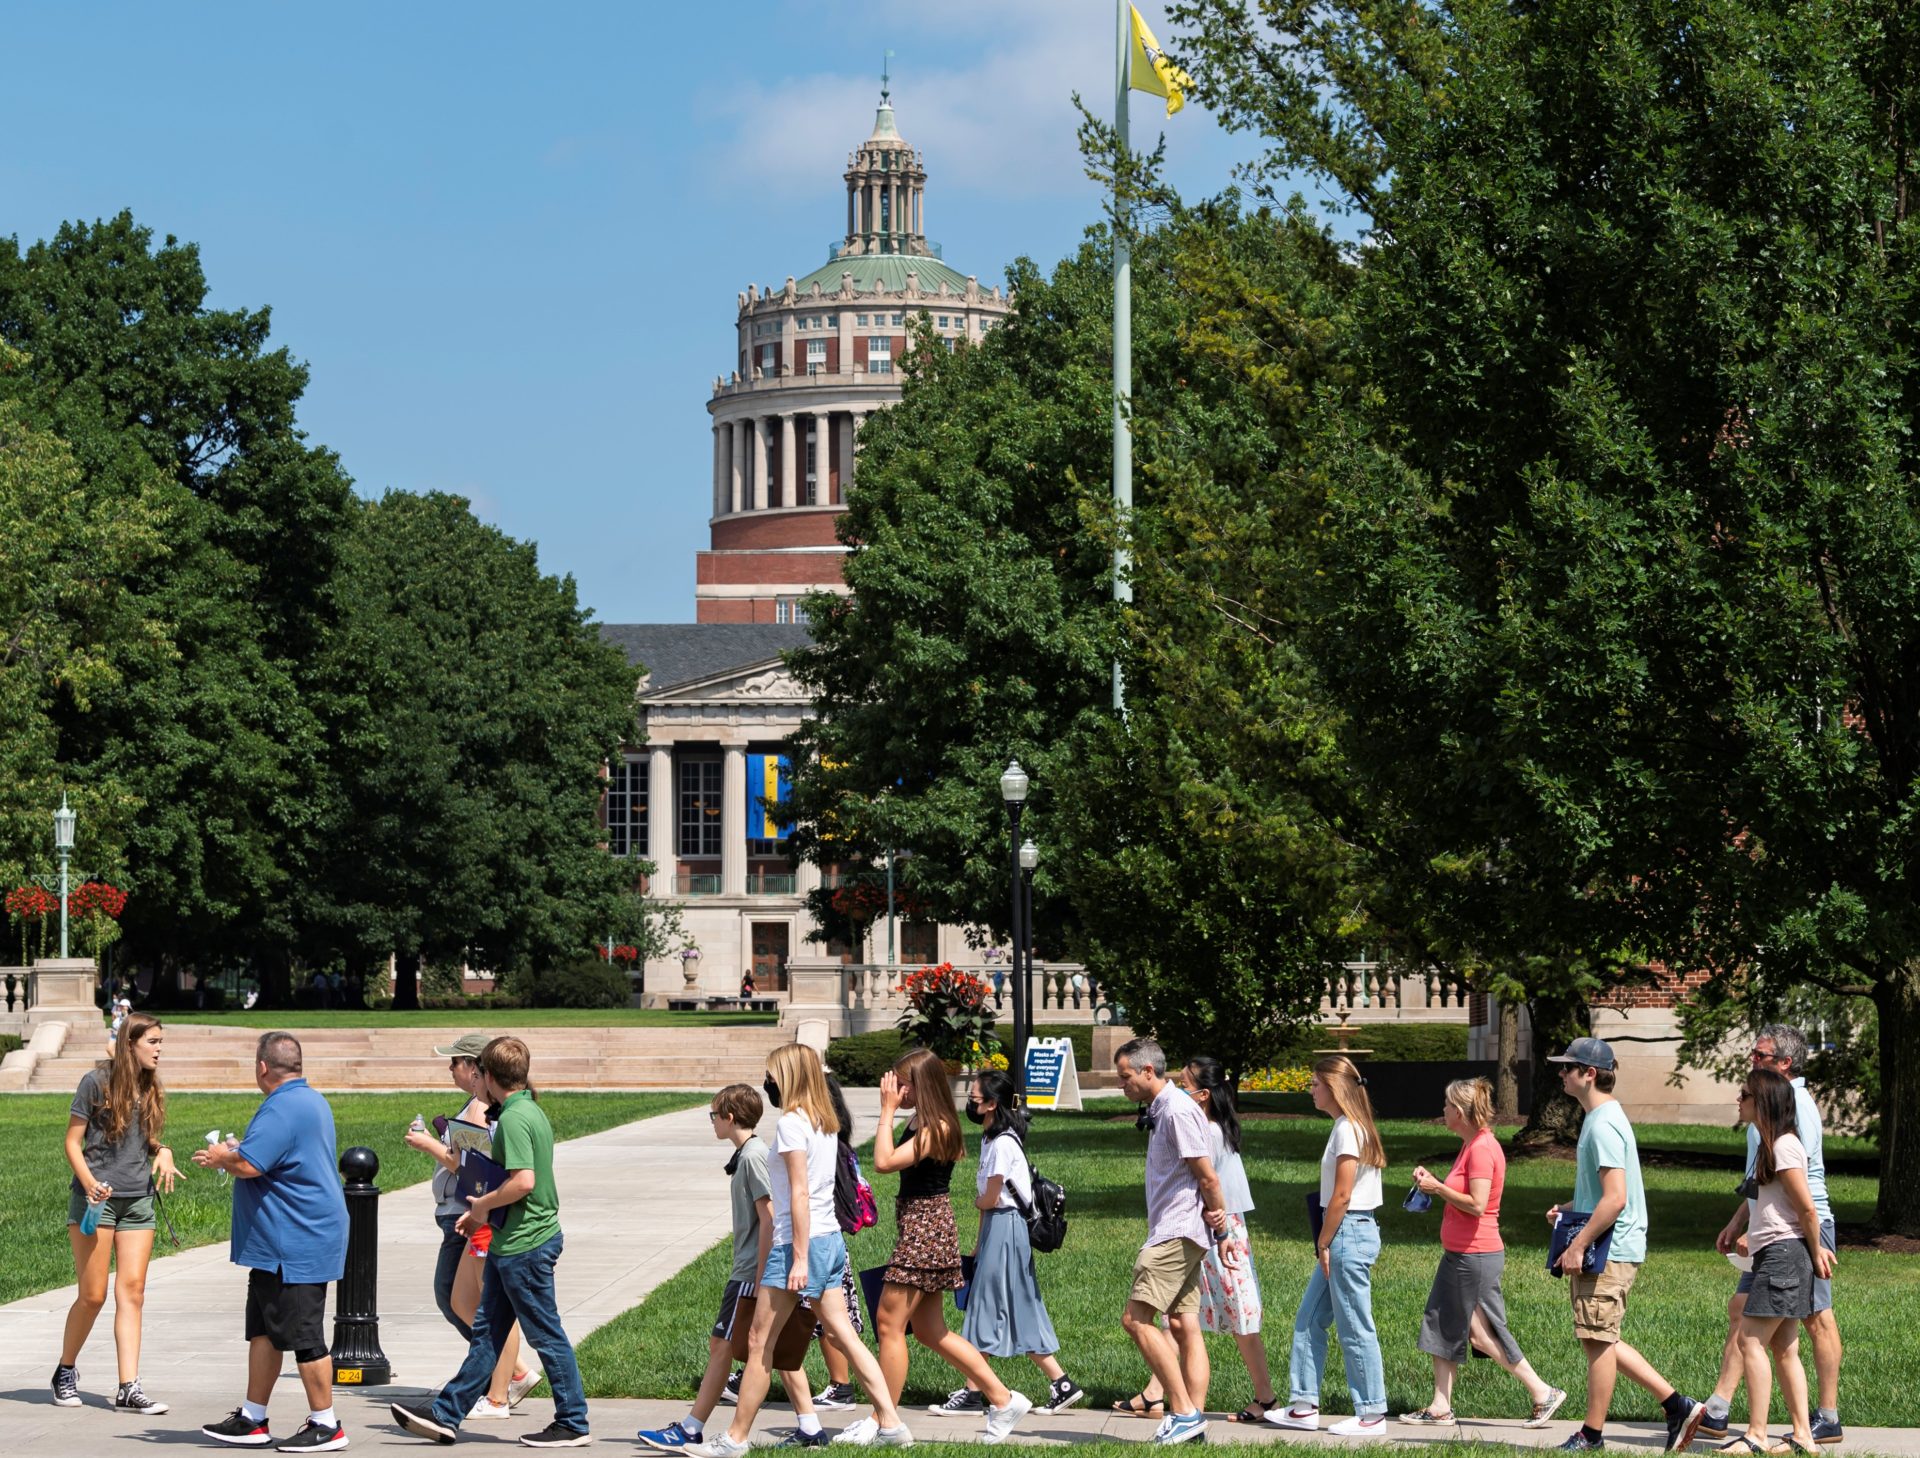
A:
<point x="1347" y="1243"/>
<point x="1783" y="1238"/>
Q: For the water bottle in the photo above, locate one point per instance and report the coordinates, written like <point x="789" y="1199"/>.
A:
<point x="419" y="1123"/>
<point x="90" y="1218"/>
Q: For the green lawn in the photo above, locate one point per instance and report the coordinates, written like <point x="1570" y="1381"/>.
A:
<point x="498" y="1017"/>
<point x="1677" y="1317"/>
<point x="33" y="1196"/>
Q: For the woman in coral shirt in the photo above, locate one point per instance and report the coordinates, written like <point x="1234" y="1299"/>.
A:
<point x="1465" y="1310"/>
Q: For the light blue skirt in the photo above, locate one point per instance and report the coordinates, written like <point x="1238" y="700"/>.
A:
<point x="1005" y="1315"/>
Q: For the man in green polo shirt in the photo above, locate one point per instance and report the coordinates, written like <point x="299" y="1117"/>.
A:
<point x="518" y="1284"/>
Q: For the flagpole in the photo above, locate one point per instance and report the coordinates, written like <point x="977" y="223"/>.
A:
<point x="1122" y="338"/>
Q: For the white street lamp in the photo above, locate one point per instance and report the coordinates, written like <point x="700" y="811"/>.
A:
<point x="63" y="846"/>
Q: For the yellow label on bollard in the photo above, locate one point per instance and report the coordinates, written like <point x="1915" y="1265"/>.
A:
<point x="348" y="1375"/>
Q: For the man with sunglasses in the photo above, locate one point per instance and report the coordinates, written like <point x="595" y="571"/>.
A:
<point x="1783" y="1049"/>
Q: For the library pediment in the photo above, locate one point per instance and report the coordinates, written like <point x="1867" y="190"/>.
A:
<point x="761" y="683"/>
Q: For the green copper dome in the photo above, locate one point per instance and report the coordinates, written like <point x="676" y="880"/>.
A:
<point x="890" y="269"/>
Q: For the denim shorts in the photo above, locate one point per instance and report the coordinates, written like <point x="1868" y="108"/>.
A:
<point x="826" y="1264"/>
<point x="1822" y="1289"/>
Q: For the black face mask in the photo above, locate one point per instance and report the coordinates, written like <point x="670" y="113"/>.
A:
<point x="974" y="1116"/>
<point x="772" y="1090"/>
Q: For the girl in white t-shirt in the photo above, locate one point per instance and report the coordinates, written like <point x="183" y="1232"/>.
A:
<point x="1006" y="1316"/>
<point x="1783" y="1238"/>
<point x="1340" y="1291"/>
<point x="808" y="1257"/>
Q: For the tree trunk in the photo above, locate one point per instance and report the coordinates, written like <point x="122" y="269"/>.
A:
<point x="1898" y="1000"/>
<point x="1557" y="1021"/>
<point x="276" y="981"/>
<point x="406" y="982"/>
<point x="1506" y="1071"/>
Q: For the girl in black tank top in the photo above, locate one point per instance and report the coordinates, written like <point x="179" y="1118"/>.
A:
<point x="926" y="1256"/>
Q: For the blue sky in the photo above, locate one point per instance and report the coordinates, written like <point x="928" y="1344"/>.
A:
<point x="508" y="239"/>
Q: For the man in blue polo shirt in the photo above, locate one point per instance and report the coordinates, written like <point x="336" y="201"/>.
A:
<point x="290" y="1231"/>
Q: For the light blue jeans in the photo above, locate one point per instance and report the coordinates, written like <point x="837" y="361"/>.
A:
<point x="1344" y="1299"/>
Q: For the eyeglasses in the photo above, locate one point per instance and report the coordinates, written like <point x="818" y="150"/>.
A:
<point x="1761" y="1055"/>
<point x="712" y="1114"/>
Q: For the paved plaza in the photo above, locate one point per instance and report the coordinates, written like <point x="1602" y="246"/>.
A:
<point x="638" y="1203"/>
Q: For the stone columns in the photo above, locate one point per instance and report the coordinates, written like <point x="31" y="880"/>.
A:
<point x="847" y="424"/>
<point x="737" y="466"/>
<point x="762" y="452"/>
<point x="822" y="456"/>
<point x="806" y="877"/>
<point x="788" y="495"/>
<point x="663" y="803"/>
<point x="722" y="451"/>
<point x="733" y="822"/>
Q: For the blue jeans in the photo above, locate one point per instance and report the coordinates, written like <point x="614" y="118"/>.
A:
<point x="451" y="1246"/>
<point x="518" y="1288"/>
<point x="1345" y="1299"/>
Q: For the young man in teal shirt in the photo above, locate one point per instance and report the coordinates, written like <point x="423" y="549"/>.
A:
<point x="518" y="1285"/>
<point x="1607" y="1186"/>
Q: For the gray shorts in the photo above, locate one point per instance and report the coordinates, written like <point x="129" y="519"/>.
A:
<point x="1782" y="1281"/>
<point x="1822" y="1289"/>
<point x="1463" y="1285"/>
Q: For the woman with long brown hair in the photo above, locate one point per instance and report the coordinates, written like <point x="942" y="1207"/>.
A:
<point x="113" y="1146"/>
<point x="926" y="1252"/>
<point x="1345" y="1246"/>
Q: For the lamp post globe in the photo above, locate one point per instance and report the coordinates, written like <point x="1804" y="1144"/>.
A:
<point x="63" y="819"/>
<point x="1013" y="784"/>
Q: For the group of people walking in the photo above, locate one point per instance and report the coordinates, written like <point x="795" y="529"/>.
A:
<point x="795" y="1199"/>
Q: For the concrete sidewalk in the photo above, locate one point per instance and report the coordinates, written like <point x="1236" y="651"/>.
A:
<point x="637" y="1203"/>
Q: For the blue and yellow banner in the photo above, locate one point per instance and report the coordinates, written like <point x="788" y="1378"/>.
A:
<point x="769" y="786"/>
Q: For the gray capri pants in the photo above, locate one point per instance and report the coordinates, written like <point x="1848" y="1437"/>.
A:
<point x="1465" y="1284"/>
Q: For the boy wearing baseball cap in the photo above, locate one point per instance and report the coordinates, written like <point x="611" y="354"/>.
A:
<point x="1608" y="1187"/>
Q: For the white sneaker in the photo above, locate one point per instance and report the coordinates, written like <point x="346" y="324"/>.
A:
<point x="720" y="1446"/>
<point x="1372" y="1426"/>
<point x="519" y="1387"/>
<point x="894" y="1437"/>
<point x="860" y="1434"/>
<point x="1295" y="1415"/>
<point x="486" y="1407"/>
<point x="1001" y="1420"/>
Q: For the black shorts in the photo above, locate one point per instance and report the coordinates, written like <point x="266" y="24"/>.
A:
<point x="736" y="1292"/>
<point x="1782" y="1280"/>
<point x="290" y="1314"/>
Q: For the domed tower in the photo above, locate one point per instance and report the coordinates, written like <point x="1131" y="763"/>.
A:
<point x="812" y="361"/>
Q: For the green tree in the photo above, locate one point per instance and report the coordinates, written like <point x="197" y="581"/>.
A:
<point x="471" y="706"/>
<point x="1623" y="523"/>
<point x="212" y="735"/>
<point x="1210" y="895"/>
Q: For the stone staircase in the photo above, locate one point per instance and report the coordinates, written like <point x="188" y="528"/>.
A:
<point x="202" y="1056"/>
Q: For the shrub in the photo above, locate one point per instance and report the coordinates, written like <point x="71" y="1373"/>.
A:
<point x="859" y="1059"/>
<point x="9" y="1044"/>
<point x="1297" y="1078"/>
<point x="588" y="983"/>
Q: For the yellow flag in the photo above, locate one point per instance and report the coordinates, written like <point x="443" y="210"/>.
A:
<point x="1150" y="70"/>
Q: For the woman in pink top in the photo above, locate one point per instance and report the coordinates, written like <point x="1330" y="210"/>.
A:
<point x="1465" y="1310"/>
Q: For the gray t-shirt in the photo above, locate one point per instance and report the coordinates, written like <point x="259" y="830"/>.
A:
<point x="125" y="1165"/>
<point x="749" y="1187"/>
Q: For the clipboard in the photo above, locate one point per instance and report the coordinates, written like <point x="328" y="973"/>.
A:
<point x="479" y="1174"/>
<point x="460" y="1136"/>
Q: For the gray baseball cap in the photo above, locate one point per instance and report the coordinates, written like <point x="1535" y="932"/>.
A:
<point x="1587" y="1052"/>
<point x="474" y="1044"/>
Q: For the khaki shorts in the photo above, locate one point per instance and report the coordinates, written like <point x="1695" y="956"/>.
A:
<point x="1600" y="1301"/>
<point x="1167" y="1277"/>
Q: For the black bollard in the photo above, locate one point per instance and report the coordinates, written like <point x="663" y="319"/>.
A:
<point x="357" y="1358"/>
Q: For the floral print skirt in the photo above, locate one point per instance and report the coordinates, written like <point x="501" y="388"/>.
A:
<point x="1230" y="1295"/>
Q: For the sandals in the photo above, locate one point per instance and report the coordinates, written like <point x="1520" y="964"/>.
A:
<point x="1742" y="1444"/>
<point x="1790" y="1444"/>
<point x="1138" y="1406"/>
<point x="1255" y="1411"/>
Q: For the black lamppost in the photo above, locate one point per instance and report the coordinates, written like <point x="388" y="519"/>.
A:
<point x="1029" y="858"/>
<point x="1013" y="791"/>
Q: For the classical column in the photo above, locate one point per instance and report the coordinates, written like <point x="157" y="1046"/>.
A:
<point x="738" y="466"/>
<point x="733" y="822"/>
<point x="822" y="456"/>
<point x="806" y="877"/>
<point x="722" y="448"/>
<point x="662" y="806"/>
<point x="762" y="453"/>
<point x="847" y="425"/>
<point x="788" y="495"/>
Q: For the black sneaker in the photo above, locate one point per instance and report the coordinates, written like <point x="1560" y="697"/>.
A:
<point x="796" y="1438"/>
<point x="1712" y="1429"/>
<point x="131" y="1399"/>
<point x="66" y="1387"/>
<point x="1682" y="1429"/>
<point x="553" y="1435"/>
<point x="838" y="1395"/>
<point x="1828" y="1432"/>
<point x="421" y="1422"/>
<point x="731" y="1392"/>
<point x="1581" y="1443"/>
<point x="961" y="1399"/>
<point x="237" y="1430"/>
<point x="316" y="1437"/>
<point x="1064" y="1394"/>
